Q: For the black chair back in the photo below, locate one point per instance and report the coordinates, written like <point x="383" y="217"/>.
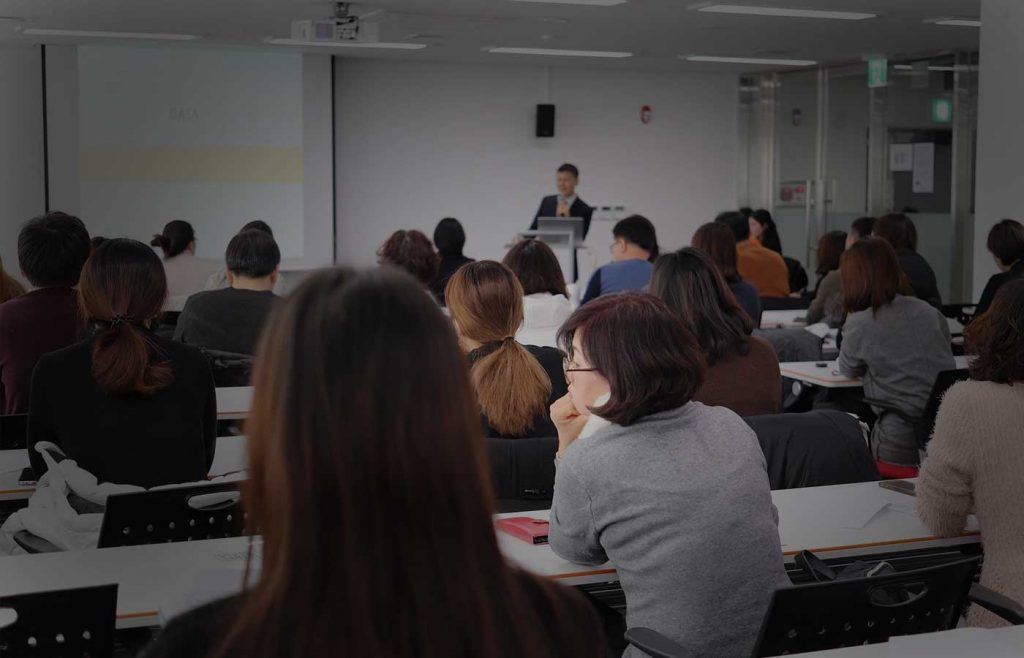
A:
<point x="522" y="472"/>
<point x="13" y="431"/>
<point x="785" y="303"/>
<point x="229" y="368"/>
<point x="67" y="623"/>
<point x="846" y="613"/>
<point x="202" y="511"/>
<point x="943" y="382"/>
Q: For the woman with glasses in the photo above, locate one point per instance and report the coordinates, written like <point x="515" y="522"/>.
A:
<point x="674" y="493"/>
<point x="514" y="384"/>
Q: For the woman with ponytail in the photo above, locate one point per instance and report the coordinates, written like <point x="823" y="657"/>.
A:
<point x="186" y="274"/>
<point x="128" y="406"/>
<point x="515" y="384"/>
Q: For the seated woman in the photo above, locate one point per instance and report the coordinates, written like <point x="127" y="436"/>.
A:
<point x="899" y="231"/>
<point x="546" y="302"/>
<point x="897" y="344"/>
<point x="976" y="456"/>
<point x="1006" y="244"/>
<point x="827" y="305"/>
<point x="449" y="240"/>
<point x="742" y="371"/>
<point x="514" y="384"/>
<point x="186" y="274"/>
<point x="674" y="493"/>
<point x="717" y="241"/>
<point x="129" y="406"/>
<point x="411" y="251"/>
<point x="764" y="230"/>
<point x="367" y="480"/>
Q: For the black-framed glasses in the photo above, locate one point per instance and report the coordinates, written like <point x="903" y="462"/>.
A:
<point x="567" y="369"/>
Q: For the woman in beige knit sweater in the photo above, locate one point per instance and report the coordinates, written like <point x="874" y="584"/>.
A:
<point x="975" y="460"/>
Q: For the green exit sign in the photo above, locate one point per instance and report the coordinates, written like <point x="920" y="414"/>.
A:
<point x="942" y="110"/>
<point x="878" y="72"/>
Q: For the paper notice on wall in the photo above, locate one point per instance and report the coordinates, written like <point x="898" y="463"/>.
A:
<point x="901" y="157"/>
<point x="924" y="168"/>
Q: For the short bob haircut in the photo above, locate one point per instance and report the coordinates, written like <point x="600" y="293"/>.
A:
<point x="830" y="250"/>
<point x="997" y="338"/>
<point x="871" y="275"/>
<point x="718" y="241"/>
<point x="651" y="360"/>
<point x="253" y="253"/>
<point x="898" y="230"/>
<point x="411" y="251"/>
<point x="536" y="267"/>
<point x="1006" y="241"/>
<point x="449" y="237"/>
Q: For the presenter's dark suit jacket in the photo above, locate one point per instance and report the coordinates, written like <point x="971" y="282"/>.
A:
<point x="549" y="206"/>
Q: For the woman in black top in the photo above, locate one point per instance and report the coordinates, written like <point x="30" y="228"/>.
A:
<point x="1006" y="242"/>
<point x="899" y="231"/>
<point x="449" y="240"/>
<point x="515" y="384"/>
<point x="128" y="406"/>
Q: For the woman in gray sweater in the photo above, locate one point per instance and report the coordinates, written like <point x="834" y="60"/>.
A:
<point x="674" y="493"/>
<point x="897" y="344"/>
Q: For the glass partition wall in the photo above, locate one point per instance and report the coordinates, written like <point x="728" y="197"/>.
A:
<point x="819" y="148"/>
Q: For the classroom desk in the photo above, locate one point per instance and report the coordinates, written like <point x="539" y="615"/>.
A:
<point x="234" y="402"/>
<point x="156" y="576"/>
<point x="229" y="458"/>
<point x="956" y="643"/>
<point x="827" y="375"/>
<point x="783" y="319"/>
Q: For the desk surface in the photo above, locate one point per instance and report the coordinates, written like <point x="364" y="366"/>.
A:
<point x="957" y="643"/>
<point x="783" y="319"/>
<point x="826" y="373"/>
<point x="229" y="457"/>
<point x="233" y="403"/>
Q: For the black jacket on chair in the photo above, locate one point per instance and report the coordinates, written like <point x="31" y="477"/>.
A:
<point x="549" y="208"/>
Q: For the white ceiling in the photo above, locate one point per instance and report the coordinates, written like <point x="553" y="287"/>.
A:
<point x="657" y="31"/>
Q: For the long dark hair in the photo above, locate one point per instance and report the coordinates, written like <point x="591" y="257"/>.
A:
<point x="996" y="338"/>
<point x="718" y="241"/>
<point x="536" y="267"/>
<point x="689" y="284"/>
<point x="830" y="250"/>
<point x="486" y="300"/>
<point x="175" y="239"/>
<point x="367" y="475"/>
<point x="122" y="292"/>
<point x="770" y="238"/>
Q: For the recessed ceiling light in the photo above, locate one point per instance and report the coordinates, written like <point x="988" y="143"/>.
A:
<point x="770" y="61"/>
<point x="596" y="3"/>
<point x="558" y="52"/>
<point x="47" y="32"/>
<point x="785" y="12"/>
<point x="347" y="44"/>
<point x="909" y="67"/>
<point x="955" y="22"/>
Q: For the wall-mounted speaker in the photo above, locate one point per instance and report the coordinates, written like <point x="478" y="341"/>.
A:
<point x="545" y="120"/>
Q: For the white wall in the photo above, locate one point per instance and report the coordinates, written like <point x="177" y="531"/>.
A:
<point x="1000" y="175"/>
<point x="420" y="141"/>
<point x="21" y="147"/>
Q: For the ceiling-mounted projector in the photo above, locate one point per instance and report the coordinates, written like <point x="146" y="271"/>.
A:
<point x="343" y="26"/>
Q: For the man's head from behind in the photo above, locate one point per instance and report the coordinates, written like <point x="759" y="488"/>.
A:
<point x="252" y="260"/>
<point x="52" y="250"/>
<point x="738" y="222"/>
<point x="567" y="178"/>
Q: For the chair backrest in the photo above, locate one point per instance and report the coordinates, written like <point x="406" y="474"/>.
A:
<point x="67" y="623"/>
<point x="813" y="449"/>
<point x="845" y="613"/>
<point x="13" y="431"/>
<point x="522" y="470"/>
<point x="229" y="368"/>
<point x="943" y="381"/>
<point x="201" y="511"/>
<point x="785" y="303"/>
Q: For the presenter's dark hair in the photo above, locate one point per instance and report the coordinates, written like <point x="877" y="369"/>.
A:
<point x="536" y="267"/>
<point x="651" y="360"/>
<point x="258" y="225"/>
<point x="410" y="251"/>
<point x="176" y="237"/>
<point x="122" y="290"/>
<point x="996" y="338"/>
<point x="770" y="237"/>
<point x="871" y="275"/>
<point x="449" y="237"/>
<point x="862" y="227"/>
<point x="52" y="249"/>
<point x="1006" y="241"/>
<point x="830" y="250"/>
<point x="253" y="253"/>
<point x="363" y="422"/>
<point x="738" y="222"/>
<point x="638" y="230"/>
<point x="691" y="287"/>
<point x="898" y="230"/>
<point x="569" y="169"/>
<point x="717" y="241"/>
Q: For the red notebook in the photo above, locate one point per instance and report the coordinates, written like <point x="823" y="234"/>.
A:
<point x="532" y="531"/>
